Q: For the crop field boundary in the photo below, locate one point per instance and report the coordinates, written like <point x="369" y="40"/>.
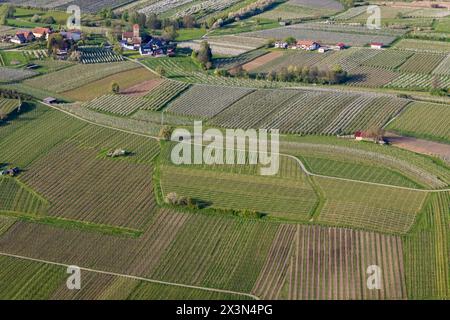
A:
<point x="300" y="163"/>
<point x="132" y="277"/>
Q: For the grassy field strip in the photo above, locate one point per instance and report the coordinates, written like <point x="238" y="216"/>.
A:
<point x="130" y="276"/>
<point x="281" y="154"/>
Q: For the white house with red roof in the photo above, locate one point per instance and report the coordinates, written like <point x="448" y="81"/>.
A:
<point x="308" y="45"/>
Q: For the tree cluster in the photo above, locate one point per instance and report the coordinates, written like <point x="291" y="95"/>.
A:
<point x="250" y="10"/>
<point x="204" y="55"/>
<point x="305" y="74"/>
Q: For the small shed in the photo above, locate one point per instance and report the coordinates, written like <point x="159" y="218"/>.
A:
<point x="377" y="45"/>
<point x="49" y="100"/>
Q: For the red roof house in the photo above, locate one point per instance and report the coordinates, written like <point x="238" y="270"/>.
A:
<point x="308" y="44"/>
<point x="40" y="32"/>
<point x="377" y="45"/>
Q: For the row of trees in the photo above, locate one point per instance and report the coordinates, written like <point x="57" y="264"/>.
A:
<point x="250" y="10"/>
<point x="304" y="74"/>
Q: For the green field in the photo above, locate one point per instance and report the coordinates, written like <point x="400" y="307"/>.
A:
<point x="427" y="251"/>
<point x="425" y="120"/>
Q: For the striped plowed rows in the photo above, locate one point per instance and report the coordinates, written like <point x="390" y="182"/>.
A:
<point x="123" y="105"/>
<point x="85" y="188"/>
<point x="143" y="149"/>
<point x="308" y="113"/>
<point x="273" y="275"/>
<point x="427" y="250"/>
<point x="133" y="256"/>
<point x="422" y="63"/>
<point x="15" y="197"/>
<point x="331" y="263"/>
<point x="217" y="252"/>
<point x="197" y="101"/>
<point x="371" y="77"/>
<point x="253" y="108"/>
<point x="163" y="93"/>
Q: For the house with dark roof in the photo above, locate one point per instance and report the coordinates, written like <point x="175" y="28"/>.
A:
<point x="23" y="37"/>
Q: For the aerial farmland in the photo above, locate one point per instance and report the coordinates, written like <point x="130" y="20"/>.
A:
<point x="224" y="150"/>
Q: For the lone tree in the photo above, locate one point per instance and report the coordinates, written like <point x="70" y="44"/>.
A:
<point x="169" y="33"/>
<point x="204" y="55"/>
<point x="161" y="71"/>
<point x="376" y="133"/>
<point x="115" y="88"/>
<point x="165" y="133"/>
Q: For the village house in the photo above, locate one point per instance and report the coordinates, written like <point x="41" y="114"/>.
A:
<point x="339" y="46"/>
<point x="281" y="45"/>
<point x="308" y="45"/>
<point x="156" y="47"/>
<point x="132" y="40"/>
<point x="40" y="32"/>
<point x="377" y="45"/>
<point x="74" y="35"/>
<point x="23" y="37"/>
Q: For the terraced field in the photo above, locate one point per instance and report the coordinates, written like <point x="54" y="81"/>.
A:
<point x="427" y="120"/>
<point x="197" y="100"/>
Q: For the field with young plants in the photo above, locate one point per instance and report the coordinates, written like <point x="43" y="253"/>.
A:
<point x="90" y="55"/>
<point x="79" y="75"/>
<point x="419" y="81"/>
<point x="13" y="75"/>
<point x="163" y="93"/>
<point x="115" y="193"/>
<point x="279" y="198"/>
<point x="422" y="119"/>
<point x="7" y="106"/>
<point x="197" y="100"/>
<point x="427" y="251"/>
<point x="422" y="63"/>
<point x="378" y="208"/>
<point x="122" y="105"/>
<point x="322" y="263"/>
<point x="423" y="45"/>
